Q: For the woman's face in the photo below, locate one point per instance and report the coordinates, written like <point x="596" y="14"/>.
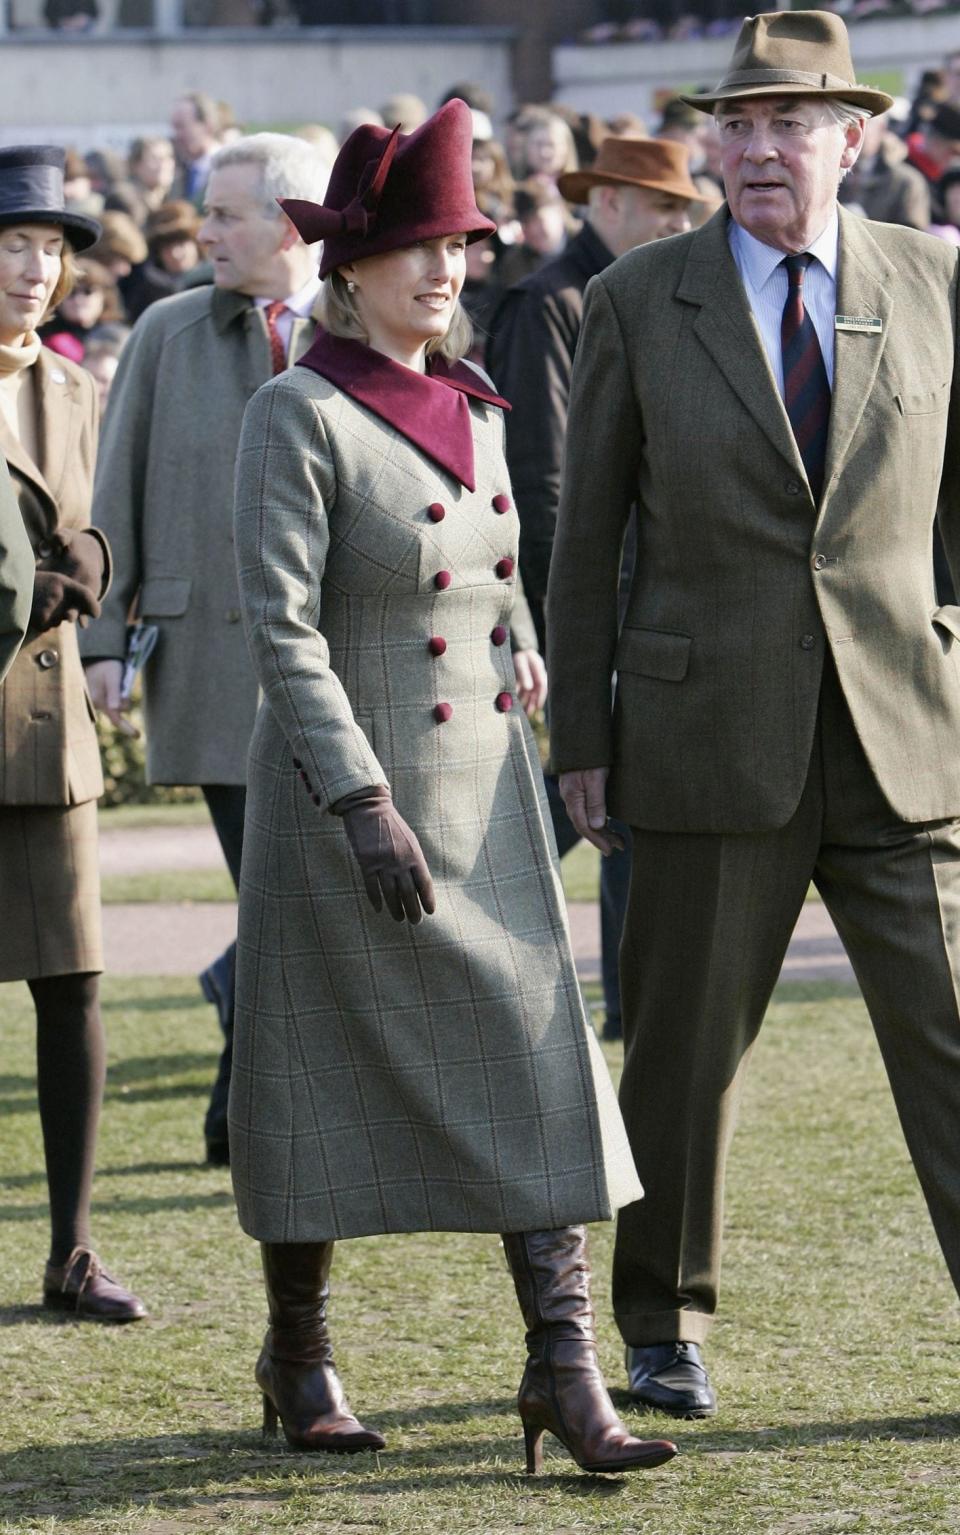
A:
<point x="84" y="305"/>
<point x="545" y="229"/>
<point x="546" y="150"/>
<point x="177" y="256"/>
<point x="407" y="297"/>
<point x="30" y="258"/>
<point x="156" y="167"/>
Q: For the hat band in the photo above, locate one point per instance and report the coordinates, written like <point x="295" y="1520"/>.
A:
<point x="31" y="187"/>
<point x="775" y="76"/>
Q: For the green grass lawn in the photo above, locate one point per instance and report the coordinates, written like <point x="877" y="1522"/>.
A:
<point x="836" y="1359"/>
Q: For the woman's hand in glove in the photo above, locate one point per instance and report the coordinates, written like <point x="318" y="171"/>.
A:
<point x="58" y="599"/>
<point x="391" y="860"/>
<point x="77" y="553"/>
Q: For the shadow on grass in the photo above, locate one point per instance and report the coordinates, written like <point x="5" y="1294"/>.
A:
<point x="145" y="1068"/>
<point x="177" y="1471"/>
<point x="135" y="1170"/>
<point x="166" y="1002"/>
<point x="142" y="1206"/>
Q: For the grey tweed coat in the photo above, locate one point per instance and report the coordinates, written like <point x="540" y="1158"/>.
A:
<point x="386" y="1077"/>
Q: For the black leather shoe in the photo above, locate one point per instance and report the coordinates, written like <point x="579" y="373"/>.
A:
<point x="672" y="1378"/>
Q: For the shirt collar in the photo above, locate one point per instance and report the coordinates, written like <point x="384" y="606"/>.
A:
<point x="759" y="261"/>
<point x="299" y="303"/>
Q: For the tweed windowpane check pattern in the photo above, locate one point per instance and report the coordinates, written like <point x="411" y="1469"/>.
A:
<point x="806" y="388"/>
<point x="389" y="1078"/>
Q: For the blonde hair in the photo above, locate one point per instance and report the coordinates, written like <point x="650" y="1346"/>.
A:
<point x="340" y="316"/>
<point x="65" y="282"/>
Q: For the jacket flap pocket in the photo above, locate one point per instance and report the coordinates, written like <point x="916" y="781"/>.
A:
<point x="923" y="402"/>
<point x="948" y="617"/>
<point x="164" y="596"/>
<point x="654" y="653"/>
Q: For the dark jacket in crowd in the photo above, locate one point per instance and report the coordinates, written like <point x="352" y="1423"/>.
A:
<point x="889" y="190"/>
<point x="533" y="337"/>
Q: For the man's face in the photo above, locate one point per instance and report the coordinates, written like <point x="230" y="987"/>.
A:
<point x="191" y="137"/>
<point x="781" y="166"/>
<point x="242" y="239"/>
<point x="643" y="214"/>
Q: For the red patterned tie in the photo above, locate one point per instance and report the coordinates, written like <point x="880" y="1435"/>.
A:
<point x="806" y="389"/>
<point x="278" y="355"/>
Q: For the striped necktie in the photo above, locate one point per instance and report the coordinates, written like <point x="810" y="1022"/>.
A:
<point x="278" y="355"/>
<point x="806" y="389"/>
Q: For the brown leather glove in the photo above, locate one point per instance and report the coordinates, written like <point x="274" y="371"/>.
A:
<point x="391" y="859"/>
<point x="58" y="599"/>
<point x="77" y="553"/>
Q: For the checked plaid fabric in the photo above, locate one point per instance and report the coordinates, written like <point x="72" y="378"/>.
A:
<point x="806" y="389"/>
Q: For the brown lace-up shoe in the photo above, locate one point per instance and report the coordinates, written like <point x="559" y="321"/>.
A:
<point x="84" y="1287"/>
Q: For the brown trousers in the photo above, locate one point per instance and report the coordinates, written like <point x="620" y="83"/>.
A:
<point x="708" y="924"/>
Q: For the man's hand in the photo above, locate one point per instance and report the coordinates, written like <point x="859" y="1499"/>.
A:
<point x="531" y="675"/>
<point x="103" y="681"/>
<point x="585" y="795"/>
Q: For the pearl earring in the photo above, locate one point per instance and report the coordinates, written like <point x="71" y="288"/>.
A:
<point x="351" y="287"/>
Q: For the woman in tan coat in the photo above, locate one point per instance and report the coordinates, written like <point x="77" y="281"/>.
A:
<point x="49" y="762"/>
<point x="406" y="1074"/>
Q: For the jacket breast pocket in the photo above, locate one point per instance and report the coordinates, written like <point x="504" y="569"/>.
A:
<point x="165" y="596"/>
<point x="657" y="653"/>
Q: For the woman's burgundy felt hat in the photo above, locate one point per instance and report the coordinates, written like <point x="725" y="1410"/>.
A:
<point x="388" y="190"/>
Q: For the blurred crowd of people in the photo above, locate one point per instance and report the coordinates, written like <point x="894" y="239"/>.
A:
<point x="150" y="202"/>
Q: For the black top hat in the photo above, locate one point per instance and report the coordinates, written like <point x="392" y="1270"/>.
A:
<point x="31" y="192"/>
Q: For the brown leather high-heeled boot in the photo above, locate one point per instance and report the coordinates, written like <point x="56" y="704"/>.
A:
<point x="562" y="1390"/>
<point x="295" y="1372"/>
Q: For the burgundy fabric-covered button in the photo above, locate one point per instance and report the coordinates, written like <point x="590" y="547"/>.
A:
<point x="499" y="635"/>
<point x="442" y="712"/>
<point x="504" y="568"/>
<point x="502" y="503"/>
<point x="442" y="580"/>
<point x="504" y="702"/>
<point x="297" y="763"/>
<point x="437" y="645"/>
<point x="436" y="512"/>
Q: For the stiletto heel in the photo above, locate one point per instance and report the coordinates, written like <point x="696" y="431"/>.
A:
<point x="533" y="1445"/>
<point x="270" y="1416"/>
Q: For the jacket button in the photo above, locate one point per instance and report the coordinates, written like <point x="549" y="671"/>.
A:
<point x="499" y="635"/>
<point x="315" y="798"/>
<point x="807" y="641"/>
<point x="233" y="615"/>
<point x="793" y="487"/>
<point x="442" y="712"/>
<point x="504" y="702"/>
<point x="442" y="580"/>
<point x="48" y="658"/>
<point x="436" y="512"/>
<point x="504" y="568"/>
<point x="437" y="645"/>
<point x="819" y="561"/>
<point x="44" y="549"/>
<point x="297" y="763"/>
<point x="502" y="503"/>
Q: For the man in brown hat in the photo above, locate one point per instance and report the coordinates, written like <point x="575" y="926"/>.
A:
<point x="637" y="190"/>
<point x="779" y="392"/>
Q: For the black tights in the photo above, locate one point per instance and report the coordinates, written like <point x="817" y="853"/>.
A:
<point x="71" y="1066"/>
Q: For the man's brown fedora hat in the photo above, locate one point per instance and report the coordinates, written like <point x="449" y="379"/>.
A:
<point x="803" y="53"/>
<point x="657" y="163"/>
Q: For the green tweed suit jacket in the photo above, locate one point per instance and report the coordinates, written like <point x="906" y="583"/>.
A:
<point x="742" y="583"/>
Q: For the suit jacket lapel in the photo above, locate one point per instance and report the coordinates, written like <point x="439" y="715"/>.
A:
<point x="864" y="279"/>
<point x="59" y="421"/>
<point x="726" y="328"/>
<point x="14" y="453"/>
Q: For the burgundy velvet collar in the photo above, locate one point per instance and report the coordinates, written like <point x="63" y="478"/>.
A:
<point x="429" y="409"/>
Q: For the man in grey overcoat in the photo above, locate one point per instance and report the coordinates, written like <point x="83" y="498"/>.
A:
<point x="779" y="392"/>
<point x="164" y="494"/>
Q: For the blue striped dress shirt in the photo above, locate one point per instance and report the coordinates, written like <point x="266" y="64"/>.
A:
<point x="764" y="278"/>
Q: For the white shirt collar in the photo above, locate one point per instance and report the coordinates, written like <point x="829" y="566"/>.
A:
<point x="299" y="303"/>
<point x="759" y="261"/>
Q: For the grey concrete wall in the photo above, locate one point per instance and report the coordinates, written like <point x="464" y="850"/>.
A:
<point x="102" y="91"/>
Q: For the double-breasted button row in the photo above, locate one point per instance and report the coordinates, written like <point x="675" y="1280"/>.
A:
<point x="501" y="503"/>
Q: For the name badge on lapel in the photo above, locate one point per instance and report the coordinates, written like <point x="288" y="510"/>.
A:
<point x="869" y="324"/>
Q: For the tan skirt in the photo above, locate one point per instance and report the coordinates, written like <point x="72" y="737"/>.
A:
<point x="49" y="891"/>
